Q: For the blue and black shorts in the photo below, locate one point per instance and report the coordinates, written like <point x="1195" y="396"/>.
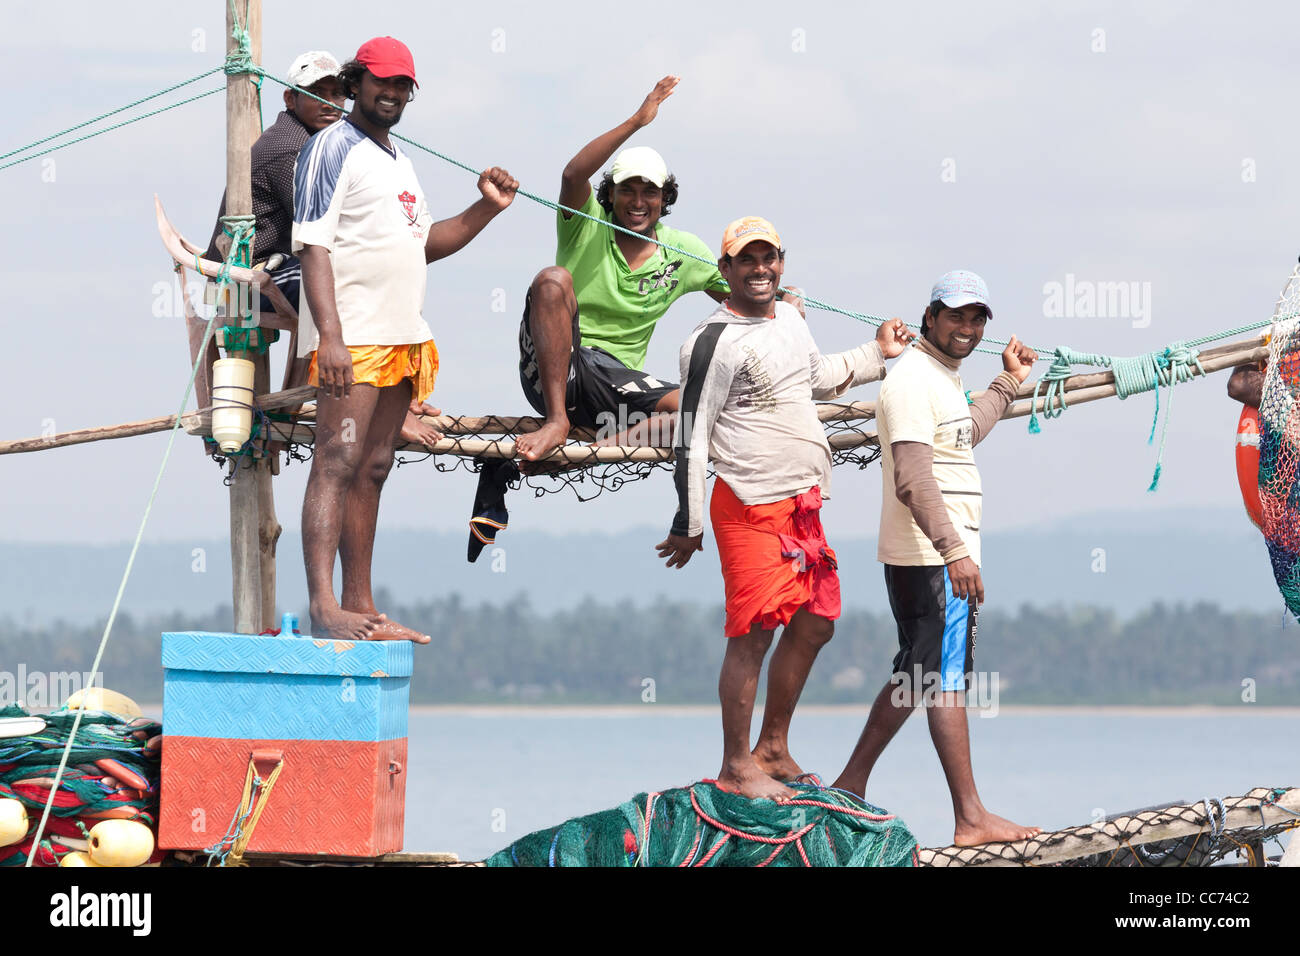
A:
<point x="936" y="631"/>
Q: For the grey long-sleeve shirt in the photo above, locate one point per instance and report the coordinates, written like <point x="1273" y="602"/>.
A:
<point x="748" y="386"/>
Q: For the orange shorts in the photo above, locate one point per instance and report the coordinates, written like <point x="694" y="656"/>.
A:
<point x="775" y="559"/>
<point x="384" y="365"/>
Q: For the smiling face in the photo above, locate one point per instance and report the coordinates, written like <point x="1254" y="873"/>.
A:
<point x="381" y="99"/>
<point x="956" y="332"/>
<point x="754" y="274"/>
<point x="638" y="204"/>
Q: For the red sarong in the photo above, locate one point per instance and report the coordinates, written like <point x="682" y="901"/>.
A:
<point x="775" y="559"/>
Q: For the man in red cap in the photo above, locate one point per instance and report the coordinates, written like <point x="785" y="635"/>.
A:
<point x="364" y="234"/>
<point x="750" y="373"/>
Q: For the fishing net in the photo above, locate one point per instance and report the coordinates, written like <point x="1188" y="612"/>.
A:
<point x="87" y="793"/>
<point x="1213" y="829"/>
<point x="1279" y="451"/>
<point x="701" y="825"/>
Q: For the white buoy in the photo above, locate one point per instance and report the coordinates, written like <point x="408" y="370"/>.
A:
<point x="232" y="403"/>
<point x="1292" y="855"/>
<point x="13" y="821"/>
<point x="120" y="843"/>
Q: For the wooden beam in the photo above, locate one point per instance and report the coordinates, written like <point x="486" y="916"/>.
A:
<point x="195" y="423"/>
<point x="198" y="423"/>
<point x="1092" y="387"/>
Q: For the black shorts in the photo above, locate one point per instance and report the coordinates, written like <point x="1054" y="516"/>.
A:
<point x="288" y="279"/>
<point x="601" y="392"/>
<point x="936" y="631"/>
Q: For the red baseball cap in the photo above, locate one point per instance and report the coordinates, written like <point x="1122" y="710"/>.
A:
<point x="385" y="57"/>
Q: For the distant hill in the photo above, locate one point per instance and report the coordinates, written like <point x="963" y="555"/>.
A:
<point x="1119" y="561"/>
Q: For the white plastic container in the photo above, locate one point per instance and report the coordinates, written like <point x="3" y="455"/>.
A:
<point x="232" y="403"/>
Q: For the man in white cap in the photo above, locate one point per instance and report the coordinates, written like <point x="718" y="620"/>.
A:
<point x="274" y="153"/>
<point x="929" y="541"/>
<point x="588" y="319"/>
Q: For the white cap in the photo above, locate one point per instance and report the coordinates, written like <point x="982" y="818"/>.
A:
<point x="307" y="68"/>
<point x="640" y="161"/>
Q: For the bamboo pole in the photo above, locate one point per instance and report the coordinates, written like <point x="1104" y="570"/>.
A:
<point x="1094" y="387"/>
<point x="199" y="423"/>
<point x="195" y="423"/>
<point x="1147" y="826"/>
<point x="245" y="512"/>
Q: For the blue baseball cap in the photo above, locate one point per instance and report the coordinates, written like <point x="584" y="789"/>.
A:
<point x="959" y="287"/>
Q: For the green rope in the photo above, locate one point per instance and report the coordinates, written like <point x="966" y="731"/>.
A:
<point x="1170" y="366"/>
<point x="238" y="227"/>
<point x="107" y="129"/>
<point x="151" y="96"/>
<point x="240" y="59"/>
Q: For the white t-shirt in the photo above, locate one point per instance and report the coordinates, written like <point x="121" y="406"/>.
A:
<point x="363" y="204"/>
<point x="748" y="386"/>
<point x="924" y="401"/>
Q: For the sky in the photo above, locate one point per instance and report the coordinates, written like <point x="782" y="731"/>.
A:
<point x="1071" y="144"/>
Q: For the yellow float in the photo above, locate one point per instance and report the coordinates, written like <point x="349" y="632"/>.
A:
<point x="13" y="821"/>
<point x="120" y="843"/>
<point x="100" y="698"/>
<point x="77" y="858"/>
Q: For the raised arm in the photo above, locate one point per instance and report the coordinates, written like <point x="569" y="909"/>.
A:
<point x="450" y="235"/>
<point x="1017" y="362"/>
<point x="575" y="184"/>
<point x="833" y="375"/>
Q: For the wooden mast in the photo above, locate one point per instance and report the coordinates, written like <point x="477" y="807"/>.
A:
<point x="252" y="511"/>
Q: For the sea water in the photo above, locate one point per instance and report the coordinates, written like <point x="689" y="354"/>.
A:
<point x="480" y="778"/>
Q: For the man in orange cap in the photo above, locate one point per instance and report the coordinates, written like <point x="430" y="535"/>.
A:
<point x="750" y="373"/>
<point x="364" y="234"/>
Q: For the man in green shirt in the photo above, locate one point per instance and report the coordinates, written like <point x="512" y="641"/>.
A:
<point x="588" y="319"/>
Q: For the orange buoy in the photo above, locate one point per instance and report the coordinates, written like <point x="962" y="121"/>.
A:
<point x="1248" y="463"/>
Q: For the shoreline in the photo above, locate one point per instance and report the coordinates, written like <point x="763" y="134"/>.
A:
<point x="831" y="710"/>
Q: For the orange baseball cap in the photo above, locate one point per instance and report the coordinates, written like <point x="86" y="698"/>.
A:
<point x="744" y="231"/>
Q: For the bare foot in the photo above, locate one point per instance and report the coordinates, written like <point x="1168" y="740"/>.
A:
<point x="778" y="765"/>
<point x="991" y="828"/>
<point x="337" y="624"/>
<point x="747" y="780"/>
<point x="419" y="433"/>
<point x="388" y="630"/>
<point x="542" y="442"/>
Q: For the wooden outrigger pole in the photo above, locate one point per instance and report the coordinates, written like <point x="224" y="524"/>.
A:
<point x="254" y="529"/>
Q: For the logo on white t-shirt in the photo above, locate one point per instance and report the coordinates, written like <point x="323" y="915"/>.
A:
<point x="408" y="200"/>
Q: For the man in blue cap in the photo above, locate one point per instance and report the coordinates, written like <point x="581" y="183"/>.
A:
<point x="929" y="541"/>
